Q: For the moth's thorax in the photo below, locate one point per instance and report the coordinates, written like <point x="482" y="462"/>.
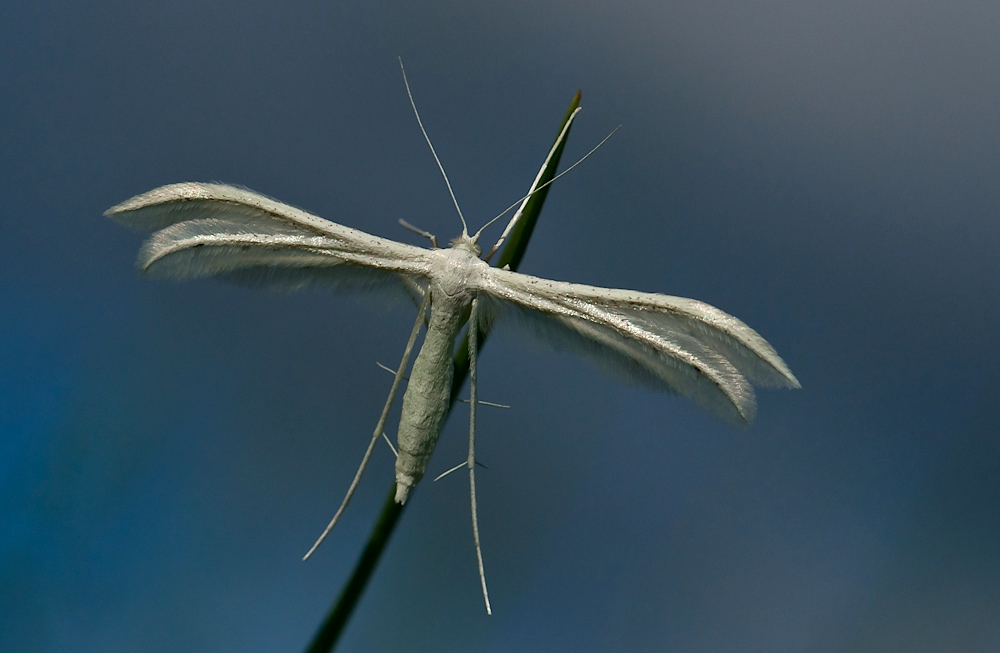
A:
<point x="455" y="270"/>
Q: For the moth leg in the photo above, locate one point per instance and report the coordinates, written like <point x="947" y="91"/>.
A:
<point x="455" y="469"/>
<point x="389" y="442"/>
<point x="379" y="428"/>
<point x="420" y="232"/>
<point x="486" y="403"/>
<point x="473" y="347"/>
<point x="391" y="371"/>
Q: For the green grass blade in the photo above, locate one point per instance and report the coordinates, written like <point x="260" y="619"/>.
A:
<point x="517" y="242"/>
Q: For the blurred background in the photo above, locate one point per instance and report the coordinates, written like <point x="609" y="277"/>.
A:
<point x="827" y="172"/>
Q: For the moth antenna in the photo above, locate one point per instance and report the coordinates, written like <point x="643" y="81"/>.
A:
<point x="379" y="428"/>
<point x="524" y="200"/>
<point x="465" y="228"/>
<point x="471" y="462"/>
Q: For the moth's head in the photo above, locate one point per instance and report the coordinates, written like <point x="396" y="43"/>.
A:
<point x="468" y="243"/>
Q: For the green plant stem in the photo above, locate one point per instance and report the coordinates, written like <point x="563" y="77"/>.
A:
<point x="336" y="620"/>
<point x="328" y="633"/>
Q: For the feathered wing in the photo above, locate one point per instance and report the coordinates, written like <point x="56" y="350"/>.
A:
<point x="234" y="233"/>
<point x="677" y="344"/>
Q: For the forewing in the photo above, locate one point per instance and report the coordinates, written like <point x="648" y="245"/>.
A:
<point x="679" y="344"/>
<point x="234" y="233"/>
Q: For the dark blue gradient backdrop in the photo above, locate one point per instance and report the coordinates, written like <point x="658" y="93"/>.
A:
<point x="828" y="172"/>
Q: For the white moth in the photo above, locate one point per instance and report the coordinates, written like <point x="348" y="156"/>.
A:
<point x="675" y="344"/>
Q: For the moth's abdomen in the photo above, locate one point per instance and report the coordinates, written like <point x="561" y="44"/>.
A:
<point x="425" y="403"/>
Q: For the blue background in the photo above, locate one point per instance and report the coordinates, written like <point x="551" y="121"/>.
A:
<point x="828" y="172"/>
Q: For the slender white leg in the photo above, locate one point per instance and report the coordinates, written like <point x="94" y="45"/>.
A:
<point x="484" y="403"/>
<point x="379" y="428"/>
<point x="453" y="469"/>
<point x="473" y="347"/>
<point x="389" y="442"/>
